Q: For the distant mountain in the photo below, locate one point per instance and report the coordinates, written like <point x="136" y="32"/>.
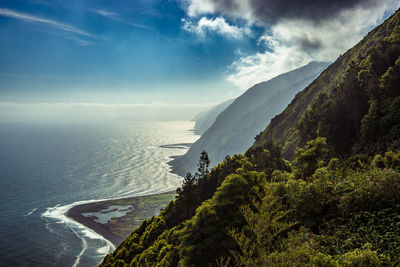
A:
<point x="205" y="119"/>
<point x="235" y="128"/>
<point x="199" y="115"/>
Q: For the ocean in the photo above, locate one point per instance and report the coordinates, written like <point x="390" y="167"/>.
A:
<point x="47" y="168"/>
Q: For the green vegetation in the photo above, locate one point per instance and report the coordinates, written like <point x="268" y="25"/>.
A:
<point x="336" y="203"/>
<point x="354" y="103"/>
<point x="308" y="212"/>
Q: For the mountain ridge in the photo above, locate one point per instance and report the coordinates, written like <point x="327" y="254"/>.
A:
<point x="205" y="119"/>
<point x="236" y="126"/>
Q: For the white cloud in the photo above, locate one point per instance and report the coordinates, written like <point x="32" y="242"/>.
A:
<point x="116" y="17"/>
<point x="103" y="105"/>
<point x="99" y="112"/>
<point x="36" y="19"/>
<point x="242" y="9"/>
<point x="196" y="7"/>
<point x="289" y="44"/>
<point x="104" y="13"/>
<point x="252" y="69"/>
<point x="216" y="25"/>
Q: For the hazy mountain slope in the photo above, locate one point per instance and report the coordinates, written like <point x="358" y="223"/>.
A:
<point x="362" y="82"/>
<point x="199" y="115"/>
<point x="235" y="128"/>
<point x="205" y="119"/>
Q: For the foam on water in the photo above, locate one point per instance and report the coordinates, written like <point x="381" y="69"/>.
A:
<point x="103" y="250"/>
<point x="84" y="248"/>
<point x="57" y="214"/>
<point x="31" y="212"/>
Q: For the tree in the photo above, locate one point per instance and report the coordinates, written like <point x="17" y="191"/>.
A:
<point x="265" y="229"/>
<point x="311" y="158"/>
<point x="203" y="165"/>
<point x="187" y="185"/>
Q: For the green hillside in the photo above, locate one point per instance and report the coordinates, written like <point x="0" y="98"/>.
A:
<point x="353" y="103"/>
<point x="335" y="203"/>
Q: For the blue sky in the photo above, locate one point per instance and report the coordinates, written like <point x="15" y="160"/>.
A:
<point x="109" y="51"/>
<point x="148" y="52"/>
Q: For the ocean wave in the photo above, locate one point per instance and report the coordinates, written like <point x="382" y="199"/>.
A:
<point x="30" y="212"/>
<point x="57" y="214"/>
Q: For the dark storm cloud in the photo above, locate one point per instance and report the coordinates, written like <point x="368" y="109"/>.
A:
<point x="309" y="45"/>
<point x="269" y="11"/>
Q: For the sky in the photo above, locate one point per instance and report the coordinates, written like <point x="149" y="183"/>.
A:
<point x="166" y="59"/>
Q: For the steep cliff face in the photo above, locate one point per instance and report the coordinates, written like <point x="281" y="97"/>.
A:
<point x="235" y="128"/>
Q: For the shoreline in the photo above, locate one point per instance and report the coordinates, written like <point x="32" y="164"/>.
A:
<point x="136" y="209"/>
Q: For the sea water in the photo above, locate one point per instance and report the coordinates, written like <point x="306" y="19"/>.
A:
<point x="47" y="168"/>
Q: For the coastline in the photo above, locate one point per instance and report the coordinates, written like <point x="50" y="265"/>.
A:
<point x="174" y="168"/>
<point x="133" y="211"/>
<point x="137" y="209"/>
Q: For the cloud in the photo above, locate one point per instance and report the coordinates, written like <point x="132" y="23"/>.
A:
<point x="216" y="25"/>
<point x="57" y="77"/>
<point x="52" y="23"/>
<point x="252" y="69"/>
<point x="271" y="11"/>
<point x="290" y="44"/>
<point x="105" y="13"/>
<point x="110" y="106"/>
<point x="117" y="17"/>
<point x="80" y="41"/>
<point x="99" y="112"/>
<point x="324" y="41"/>
<point x="198" y="7"/>
<point x="296" y="32"/>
